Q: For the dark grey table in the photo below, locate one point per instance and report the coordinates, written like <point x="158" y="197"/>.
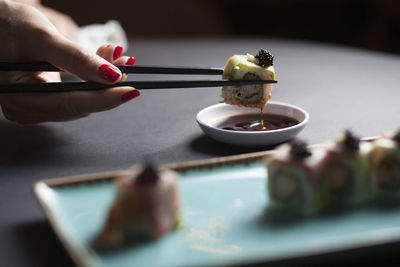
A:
<point x="340" y="87"/>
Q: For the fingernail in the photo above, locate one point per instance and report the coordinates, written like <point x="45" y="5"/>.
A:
<point x="107" y="46"/>
<point x="130" y="95"/>
<point x="109" y="73"/>
<point x="117" y="52"/>
<point x="131" y="61"/>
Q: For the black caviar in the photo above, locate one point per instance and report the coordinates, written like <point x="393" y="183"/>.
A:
<point x="351" y="142"/>
<point x="299" y="149"/>
<point x="396" y="136"/>
<point x="265" y="58"/>
<point x="148" y="175"/>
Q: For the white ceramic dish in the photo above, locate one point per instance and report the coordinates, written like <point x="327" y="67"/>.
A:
<point x="210" y="117"/>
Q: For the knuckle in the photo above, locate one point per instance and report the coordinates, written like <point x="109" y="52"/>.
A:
<point x="35" y="29"/>
<point x="42" y="38"/>
<point x="78" y="59"/>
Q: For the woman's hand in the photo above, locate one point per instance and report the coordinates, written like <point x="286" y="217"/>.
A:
<point x="27" y="35"/>
<point x="64" y="23"/>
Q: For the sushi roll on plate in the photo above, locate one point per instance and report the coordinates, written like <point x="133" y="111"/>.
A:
<point x="343" y="176"/>
<point x="385" y="165"/>
<point x="248" y="67"/>
<point x="146" y="206"/>
<point x="291" y="178"/>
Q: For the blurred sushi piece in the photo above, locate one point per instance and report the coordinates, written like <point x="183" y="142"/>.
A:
<point x="343" y="176"/>
<point x="385" y="165"/>
<point x="146" y="206"/>
<point x="291" y="178"/>
<point x="248" y="67"/>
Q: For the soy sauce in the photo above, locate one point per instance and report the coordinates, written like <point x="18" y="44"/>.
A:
<point x="257" y="122"/>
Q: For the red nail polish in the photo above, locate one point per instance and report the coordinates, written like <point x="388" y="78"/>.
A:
<point x="117" y="52"/>
<point x="108" y="73"/>
<point x="131" y="61"/>
<point x="107" y="46"/>
<point x="130" y="95"/>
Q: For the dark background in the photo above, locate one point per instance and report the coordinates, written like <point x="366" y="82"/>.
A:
<point x="119" y="137"/>
<point x="371" y="24"/>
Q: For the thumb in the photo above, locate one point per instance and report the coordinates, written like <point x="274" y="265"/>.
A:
<point x="72" y="58"/>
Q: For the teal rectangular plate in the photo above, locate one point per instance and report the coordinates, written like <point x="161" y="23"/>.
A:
<point x="225" y="221"/>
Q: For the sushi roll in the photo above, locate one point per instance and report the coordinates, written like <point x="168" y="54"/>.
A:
<point x="385" y="165"/>
<point x="146" y="206"/>
<point x="248" y="67"/>
<point x="343" y="173"/>
<point x="291" y="178"/>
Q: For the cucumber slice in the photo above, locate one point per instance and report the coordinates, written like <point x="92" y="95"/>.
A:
<point x="238" y="66"/>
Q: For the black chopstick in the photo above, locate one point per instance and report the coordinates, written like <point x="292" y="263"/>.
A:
<point x="91" y="86"/>
<point x="44" y="66"/>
